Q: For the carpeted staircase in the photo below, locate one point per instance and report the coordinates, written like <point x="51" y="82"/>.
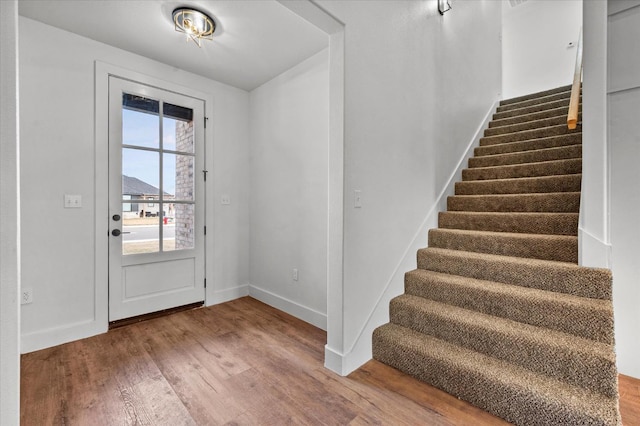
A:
<point x="498" y="312"/>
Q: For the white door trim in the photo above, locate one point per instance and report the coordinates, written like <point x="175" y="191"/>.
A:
<point x="101" y="206"/>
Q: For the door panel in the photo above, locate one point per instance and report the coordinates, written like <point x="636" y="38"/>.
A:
<point x="156" y="199"/>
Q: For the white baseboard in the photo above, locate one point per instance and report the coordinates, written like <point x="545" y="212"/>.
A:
<point x="292" y="308"/>
<point x="361" y="351"/>
<point x="54" y="336"/>
<point x="334" y="361"/>
<point x="49" y="337"/>
<point x="227" y="295"/>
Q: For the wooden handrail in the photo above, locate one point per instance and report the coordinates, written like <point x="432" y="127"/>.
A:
<point x="572" y="117"/>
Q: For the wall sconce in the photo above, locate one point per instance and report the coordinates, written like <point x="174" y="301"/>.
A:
<point x="443" y="6"/>
<point x="195" y="24"/>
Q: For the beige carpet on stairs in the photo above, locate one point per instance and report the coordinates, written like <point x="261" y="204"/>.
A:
<point x="498" y="312"/>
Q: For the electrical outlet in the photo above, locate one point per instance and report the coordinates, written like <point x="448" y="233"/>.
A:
<point x="295" y="274"/>
<point x="26" y="296"/>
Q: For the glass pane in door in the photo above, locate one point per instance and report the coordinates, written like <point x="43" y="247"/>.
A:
<point x="140" y="126"/>
<point x="141" y="212"/>
<point x="140" y="236"/>
<point x="177" y="176"/>
<point x="180" y="230"/>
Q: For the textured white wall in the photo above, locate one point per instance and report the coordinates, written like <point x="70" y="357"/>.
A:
<point x="417" y="85"/>
<point x="535" y="36"/>
<point x="9" y="212"/>
<point x="623" y="110"/>
<point x="57" y="128"/>
<point x="289" y="125"/>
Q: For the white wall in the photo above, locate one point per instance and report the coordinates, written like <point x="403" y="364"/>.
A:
<point x="289" y="122"/>
<point x="10" y="214"/>
<point x="593" y="229"/>
<point x="57" y="143"/>
<point x="623" y="110"/>
<point x="415" y="94"/>
<point x="535" y="36"/>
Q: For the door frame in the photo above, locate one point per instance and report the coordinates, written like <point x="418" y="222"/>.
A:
<point x="103" y="71"/>
<point x="189" y="292"/>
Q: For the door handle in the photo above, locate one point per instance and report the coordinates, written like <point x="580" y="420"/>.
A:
<point x="116" y="232"/>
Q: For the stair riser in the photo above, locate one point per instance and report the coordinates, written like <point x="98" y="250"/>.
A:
<point x="528" y="134"/>
<point x="512" y="402"/>
<point x="583" y="369"/>
<point x="568" y="202"/>
<point x="561" y="89"/>
<point x="550" y="154"/>
<point x="540" y="115"/>
<point x="564" y="183"/>
<point x="559" y="278"/>
<point x="551" y="168"/>
<point x="522" y="305"/>
<point x="560" y="248"/>
<point x="536" y="101"/>
<point x="526" y="223"/>
<point x="532" y="109"/>
<point x="530" y="145"/>
<point x="528" y="125"/>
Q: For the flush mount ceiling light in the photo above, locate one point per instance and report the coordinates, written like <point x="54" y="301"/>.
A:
<point x="195" y="24"/>
<point x="443" y="6"/>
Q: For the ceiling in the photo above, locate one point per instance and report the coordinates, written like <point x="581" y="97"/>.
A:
<point x="254" y="40"/>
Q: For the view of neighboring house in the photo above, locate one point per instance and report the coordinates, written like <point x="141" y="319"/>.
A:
<point x="143" y="198"/>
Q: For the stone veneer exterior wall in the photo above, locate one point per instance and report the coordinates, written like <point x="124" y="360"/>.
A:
<point x="184" y="213"/>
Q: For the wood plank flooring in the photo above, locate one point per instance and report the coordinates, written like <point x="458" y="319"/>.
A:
<point x="238" y="363"/>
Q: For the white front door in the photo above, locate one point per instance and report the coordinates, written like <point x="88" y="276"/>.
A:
<point x="156" y="199"/>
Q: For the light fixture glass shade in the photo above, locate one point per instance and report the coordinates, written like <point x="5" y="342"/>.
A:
<point x="195" y="24"/>
<point x="443" y="6"/>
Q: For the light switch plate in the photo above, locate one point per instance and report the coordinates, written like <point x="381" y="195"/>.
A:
<point x="357" y="199"/>
<point x="72" y="201"/>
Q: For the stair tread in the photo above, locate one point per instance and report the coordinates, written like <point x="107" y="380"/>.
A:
<point x="533" y="151"/>
<point x="517" y="235"/>
<point x="515" y="329"/>
<point x="529" y="145"/>
<point x="567" y="202"/>
<point x="536" y="163"/>
<point x="507" y="390"/>
<point x="527" y="125"/>
<point x="561" y="111"/>
<point x="579" y="361"/>
<point x="517" y="112"/>
<point x="535" y="101"/>
<point x="556" y="223"/>
<point x="581" y="316"/>
<point x="523" y="179"/>
<point x="559" y="129"/>
<point x="516" y="195"/>
<point x="537" y="155"/>
<point x="559" y="89"/>
<point x="529" y="215"/>
<point x="562" y="248"/>
<point x="561" y="277"/>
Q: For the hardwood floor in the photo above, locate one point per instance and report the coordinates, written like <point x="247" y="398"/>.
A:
<point x="238" y="363"/>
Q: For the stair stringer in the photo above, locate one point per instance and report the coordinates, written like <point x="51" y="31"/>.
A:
<point x="360" y="351"/>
